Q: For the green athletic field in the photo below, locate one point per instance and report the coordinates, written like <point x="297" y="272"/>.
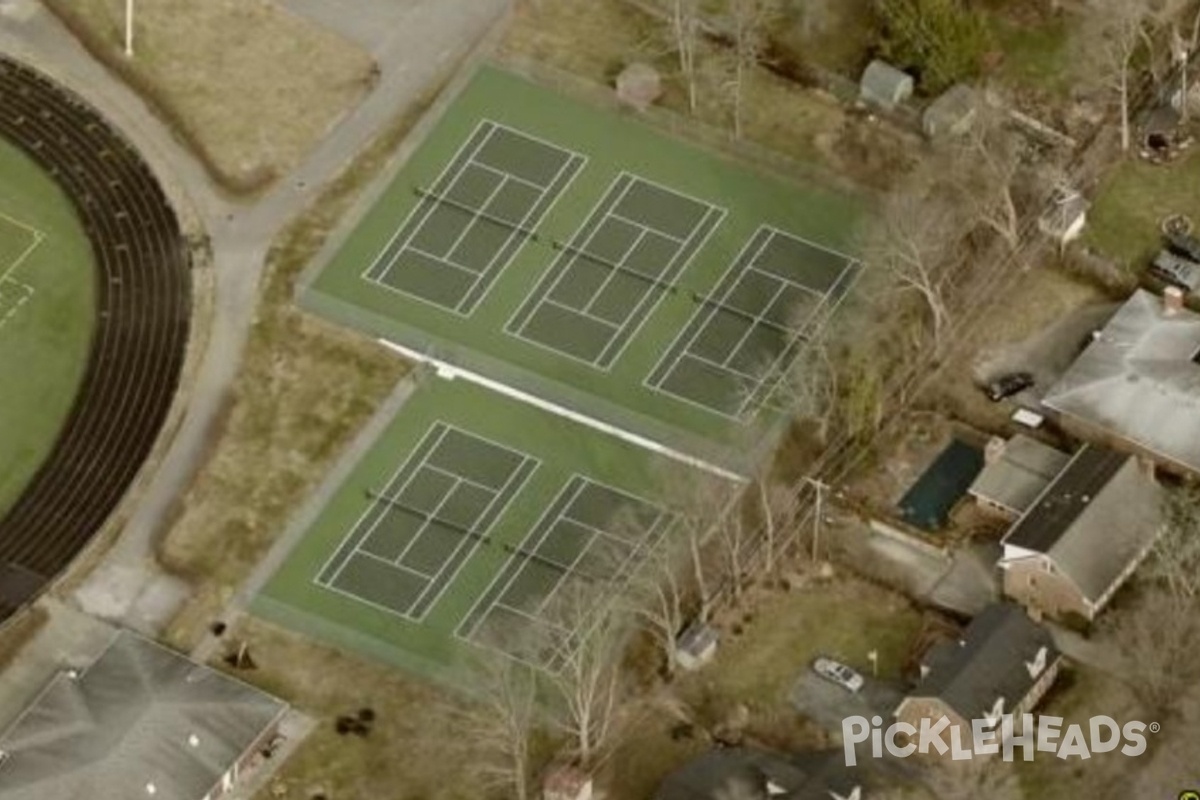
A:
<point x="46" y="316"/>
<point x="591" y="260"/>
<point x="459" y="522"/>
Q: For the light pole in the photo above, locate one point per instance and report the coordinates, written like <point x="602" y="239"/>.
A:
<point x="129" y="28"/>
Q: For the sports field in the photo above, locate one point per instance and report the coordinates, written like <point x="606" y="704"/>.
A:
<point x="590" y="260"/>
<point x="46" y="316"/>
<point x="460" y="525"/>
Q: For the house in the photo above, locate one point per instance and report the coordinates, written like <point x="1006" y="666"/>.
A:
<point x="952" y="113"/>
<point x="755" y="774"/>
<point x="1087" y="532"/>
<point x="884" y="86"/>
<point x="1015" y="472"/>
<point x="1003" y="664"/>
<point x="1137" y="385"/>
<point x="141" y="722"/>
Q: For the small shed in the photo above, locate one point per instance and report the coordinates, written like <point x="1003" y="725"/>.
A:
<point x="639" y="85"/>
<point x="696" y="646"/>
<point x="952" y="113"/>
<point x="1066" y="217"/>
<point x="884" y="86"/>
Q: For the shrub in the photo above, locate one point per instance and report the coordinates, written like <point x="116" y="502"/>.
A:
<point x="942" y="41"/>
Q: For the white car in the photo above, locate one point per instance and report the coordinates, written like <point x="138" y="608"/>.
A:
<point x="838" y="673"/>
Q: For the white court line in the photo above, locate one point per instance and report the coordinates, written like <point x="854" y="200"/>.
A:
<point x="525" y="220"/>
<point x="720" y="217"/>
<point x="451" y="372"/>
<point x="390" y="495"/>
<point x="606" y="323"/>
<point x="709" y="310"/>
<point x="449" y="580"/>
<point x="527" y="545"/>
<point x="438" y="259"/>
<point x="618" y="269"/>
<point x="428" y="210"/>
<point x="474" y="162"/>
<point x="476" y="216"/>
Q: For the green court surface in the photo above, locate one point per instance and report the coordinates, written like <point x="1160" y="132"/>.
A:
<point x="584" y="257"/>
<point x="46" y="316"/>
<point x="460" y="524"/>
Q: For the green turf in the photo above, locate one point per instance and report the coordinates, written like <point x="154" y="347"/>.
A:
<point x="563" y="449"/>
<point x="46" y="317"/>
<point x="612" y="143"/>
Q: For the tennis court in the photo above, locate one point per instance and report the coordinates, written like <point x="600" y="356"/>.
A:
<point x="469" y="224"/>
<point x="17" y="242"/>
<point x="594" y="261"/>
<point x="592" y="533"/>
<point x="433" y="514"/>
<point x="733" y="351"/>
<point x="616" y="268"/>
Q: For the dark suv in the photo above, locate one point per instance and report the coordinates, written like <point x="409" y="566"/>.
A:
<point x="1007" y="385"/>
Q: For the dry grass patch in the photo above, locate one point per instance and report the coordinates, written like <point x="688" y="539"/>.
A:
<point x="250" y="86"/>
<point x="304" y="388"/>
<point x="403" y="758"/>
<point x="595" y="39"/>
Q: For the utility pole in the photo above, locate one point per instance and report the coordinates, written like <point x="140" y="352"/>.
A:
<point x="818" y="513"/>
<point x="129" y="28"/>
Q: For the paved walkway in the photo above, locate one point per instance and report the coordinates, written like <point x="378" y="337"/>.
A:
<point x="413" y="41"/>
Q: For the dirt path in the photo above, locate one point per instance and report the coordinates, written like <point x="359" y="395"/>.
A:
<point x="413" y="42"/>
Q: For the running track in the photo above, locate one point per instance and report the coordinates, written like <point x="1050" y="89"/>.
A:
<point x="143" y="296"/>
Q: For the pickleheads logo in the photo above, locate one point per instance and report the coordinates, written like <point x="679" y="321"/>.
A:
<point x="996" y="736"/>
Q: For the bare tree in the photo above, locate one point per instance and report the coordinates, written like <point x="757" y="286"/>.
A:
<point x="748" y="21"/>
<point x="1109" y="37"/>
<point x="584" y="640"/>
<point x="733" y="539"/>
<point x="498" y="726"/>
<point x="1155" y="635"/>
<point x="914" y="239"/>
<point x="684" y="22"/>
<point x="1175" y="558"/>
<point x="985" y="164"/>
<point x="700" y="501"/>
<point x="656" y="596"/>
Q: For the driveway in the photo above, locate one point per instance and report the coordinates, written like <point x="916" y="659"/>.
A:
<point x="827" y="704"/>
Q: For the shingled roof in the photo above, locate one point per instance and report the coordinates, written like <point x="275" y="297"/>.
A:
<point x="141" y="722"/>
<point x="1140" y="379"/>
<point x="996" y="658"/>
<point x="1093" y="520"/>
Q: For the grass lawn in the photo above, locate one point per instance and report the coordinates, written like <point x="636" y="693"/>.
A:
<point x="46" y="316"/>
<point x="845" y="618"/>
<point x="1124" y="222"/>
<point x="1035" y="56"/>
<point x="557" y="448"/>
<point x="248" y="84"/>
<point x="612" y="143"/>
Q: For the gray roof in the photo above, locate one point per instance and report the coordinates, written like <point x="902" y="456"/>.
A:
<point x="952" y="112"/>
<point x="1022" y="473"/>
<point x="762" y="775"/>
<point x="1096" y="517"/>
<point x="1138" y="379"/>
<point x="884" y="85"/>
<point x="990" y="661"/>
<point x="140" y="715"/>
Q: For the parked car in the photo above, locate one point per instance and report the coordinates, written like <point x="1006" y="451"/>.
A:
<point x="1183" y="245"/>
<point x="1007" y="385"/>
<point x="838" y="673"/>
<point x="1171" y="269"/>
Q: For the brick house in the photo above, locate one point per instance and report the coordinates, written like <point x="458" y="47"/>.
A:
<point x="1084" y="535"/>
<point x="141" y="722"/>
<point x="1003" y="664"/>
<point x="1136" y="387"/>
